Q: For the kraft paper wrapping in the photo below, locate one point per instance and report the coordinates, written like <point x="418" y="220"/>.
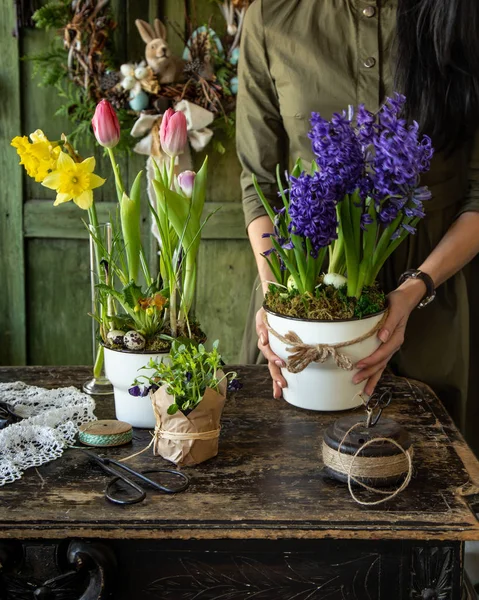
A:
<point x="203" y="420"/>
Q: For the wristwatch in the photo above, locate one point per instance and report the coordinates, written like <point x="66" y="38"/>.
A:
<point x="428" y="282"/>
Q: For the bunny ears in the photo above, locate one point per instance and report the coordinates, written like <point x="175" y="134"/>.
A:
<point x="148" y="33"/>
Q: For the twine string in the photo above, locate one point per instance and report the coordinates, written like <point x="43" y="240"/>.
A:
<point x="302" y="355"/>
<point x="160" y="433"/>
<point x="388" y="467"/>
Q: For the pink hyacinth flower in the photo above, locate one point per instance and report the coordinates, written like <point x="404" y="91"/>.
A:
<point x="173" y="133"/>
<point x="106" y="125"/>
<point x="186" y="182"/>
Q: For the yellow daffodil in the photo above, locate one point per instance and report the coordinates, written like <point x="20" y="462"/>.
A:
<point x="39" y="156"/>
<point x="74" y="181"/>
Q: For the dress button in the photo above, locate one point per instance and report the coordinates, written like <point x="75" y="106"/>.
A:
<point x="369" y="11"/>
<point x="369" y="62"/>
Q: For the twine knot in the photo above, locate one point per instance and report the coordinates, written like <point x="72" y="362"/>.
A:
<point x="302" y="355"/>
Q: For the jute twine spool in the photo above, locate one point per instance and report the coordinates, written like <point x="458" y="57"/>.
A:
<point x="105" y="433"/>
<point x="384" y="465"/>
<point x="303" y="354"/>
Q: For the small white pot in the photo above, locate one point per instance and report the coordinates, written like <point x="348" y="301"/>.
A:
<point x="324" y="386"/>
<point x="122" y="368"/>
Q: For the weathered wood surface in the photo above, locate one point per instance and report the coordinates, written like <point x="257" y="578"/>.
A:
<point x="266" y="483"/>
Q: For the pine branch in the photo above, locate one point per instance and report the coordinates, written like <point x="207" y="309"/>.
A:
<point x="54" y="15"/>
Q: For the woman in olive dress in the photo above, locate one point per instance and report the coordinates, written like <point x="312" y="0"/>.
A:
<point x="300" y="56"/>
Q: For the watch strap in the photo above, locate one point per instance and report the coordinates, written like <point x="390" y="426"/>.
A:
<point x="426" y="279"/>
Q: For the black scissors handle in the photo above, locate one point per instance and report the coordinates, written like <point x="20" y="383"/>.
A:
<point x="182" y="485"/>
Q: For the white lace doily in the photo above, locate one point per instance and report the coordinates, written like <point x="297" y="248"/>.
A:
<point x="50" y="423"/>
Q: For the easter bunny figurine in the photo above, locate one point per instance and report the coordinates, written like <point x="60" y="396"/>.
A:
<point x="169" y="68"/>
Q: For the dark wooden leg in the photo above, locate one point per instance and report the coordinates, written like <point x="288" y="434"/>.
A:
<point x="78" y="570"/>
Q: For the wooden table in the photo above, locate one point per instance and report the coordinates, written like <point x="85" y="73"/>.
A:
<point x="259" y="521"/>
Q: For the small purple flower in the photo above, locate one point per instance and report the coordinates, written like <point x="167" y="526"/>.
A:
<point x="366" y="220"/>
<point x="188" y="376"/>
<point x="234" y="385"/>
<point x="135" y="391"/>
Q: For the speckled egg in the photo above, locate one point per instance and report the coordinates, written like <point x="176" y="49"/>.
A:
<point x="115" y="337"/>
<point x="134" y="340"/>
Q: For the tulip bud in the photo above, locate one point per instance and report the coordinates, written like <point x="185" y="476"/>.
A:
<point x="186" y="181"/>
<point x="106" y="125"/>
<point x="173" y="133"/>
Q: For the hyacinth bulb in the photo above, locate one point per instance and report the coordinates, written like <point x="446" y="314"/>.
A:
<point x="106" y="125"/>
<point x="173" y="133"/>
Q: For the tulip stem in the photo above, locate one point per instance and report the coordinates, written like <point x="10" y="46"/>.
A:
<point x="120" y="189"/>
<point x="172" y="172"/>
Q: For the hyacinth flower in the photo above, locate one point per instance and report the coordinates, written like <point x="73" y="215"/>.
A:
<point x="360" y="200"/>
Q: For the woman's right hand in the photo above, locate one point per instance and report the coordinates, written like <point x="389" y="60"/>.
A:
<point x="274" y="362"/>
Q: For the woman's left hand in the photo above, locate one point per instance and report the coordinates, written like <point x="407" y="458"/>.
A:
<point x="402" y="302"/>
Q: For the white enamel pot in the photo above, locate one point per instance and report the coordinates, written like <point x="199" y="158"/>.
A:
<point x="122" y="368"/>
<point x="324" y="386"/>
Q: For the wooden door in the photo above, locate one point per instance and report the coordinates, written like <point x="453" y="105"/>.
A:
<point x="44" y="264"/>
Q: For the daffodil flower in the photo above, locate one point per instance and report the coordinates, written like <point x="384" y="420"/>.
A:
<point x="39" y="156"/>
<point x="73" y="181"/>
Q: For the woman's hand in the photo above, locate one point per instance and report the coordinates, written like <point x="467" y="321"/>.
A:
<point x="401" y="303"/>
<point x="274" y="362"/>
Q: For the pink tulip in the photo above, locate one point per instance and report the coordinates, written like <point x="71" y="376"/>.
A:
<point x="186" y="181"/>
<point x="106" y="125"/>
<point x="173" y="133"/>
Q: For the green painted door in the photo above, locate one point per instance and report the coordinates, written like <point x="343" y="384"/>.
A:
<point x="44" y="259"/>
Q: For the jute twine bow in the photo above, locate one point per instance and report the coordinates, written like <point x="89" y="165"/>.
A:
<point x="356" y="466"/>
<point x="302" y="355"/>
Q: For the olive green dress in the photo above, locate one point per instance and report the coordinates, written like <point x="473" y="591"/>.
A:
<point x="300" y="56"/>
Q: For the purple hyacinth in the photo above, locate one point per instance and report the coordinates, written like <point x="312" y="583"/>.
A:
<point x="312" y="209"/>
<point x="338" y="152"/>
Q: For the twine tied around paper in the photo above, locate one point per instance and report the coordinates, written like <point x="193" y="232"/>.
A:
<point x="355" y="466"/>
<point x="302" y="355"/>
<point x="160" y="433"/>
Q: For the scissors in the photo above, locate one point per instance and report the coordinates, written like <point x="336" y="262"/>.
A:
<point x="108" y="465"/>
<point x="379" y="402"/>
<point x="8" y="415"/>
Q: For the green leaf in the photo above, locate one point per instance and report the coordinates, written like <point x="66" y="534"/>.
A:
<point x="172" y="409"/>
<point x="132" y="293"/>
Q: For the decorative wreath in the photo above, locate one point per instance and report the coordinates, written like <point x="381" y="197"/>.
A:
<point x="80" y="64"/>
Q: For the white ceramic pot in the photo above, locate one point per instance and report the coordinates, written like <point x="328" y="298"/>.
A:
<point x="324" y="386"/>
<point x="122" y="368"/>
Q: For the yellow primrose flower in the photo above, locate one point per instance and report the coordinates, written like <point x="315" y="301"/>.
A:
<point x="39" y="156"/>
<point x="74" y="181"/>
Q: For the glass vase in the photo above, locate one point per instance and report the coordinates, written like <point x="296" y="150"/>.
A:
<point x="99" y="384"/>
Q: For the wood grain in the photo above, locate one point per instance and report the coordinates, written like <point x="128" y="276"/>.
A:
<point x="266" y="483"/>
<point x="226" y="276"/>
<point x="12" y="298"/>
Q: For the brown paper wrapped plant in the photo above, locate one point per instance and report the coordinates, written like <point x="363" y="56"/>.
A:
<point x="189" y="402"/>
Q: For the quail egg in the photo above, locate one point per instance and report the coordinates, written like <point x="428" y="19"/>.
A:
<point x="134" y="340"/>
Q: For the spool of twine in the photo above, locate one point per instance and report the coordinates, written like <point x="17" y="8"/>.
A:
<point x="303" y="354"/>
<point x="105" y="434"/>
<point x="356" y="467"/>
